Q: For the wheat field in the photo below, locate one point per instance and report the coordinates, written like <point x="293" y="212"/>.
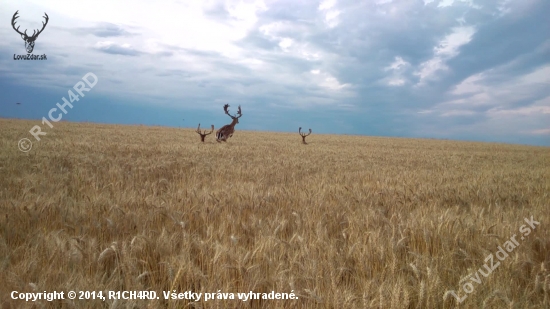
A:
<point x="343" y="222"/>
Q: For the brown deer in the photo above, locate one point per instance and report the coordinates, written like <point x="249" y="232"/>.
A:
<point x="227" y="131"/>
<point x="303" y="134"/>
<point x="204" y="134"/>
<point x="29" y="40"/>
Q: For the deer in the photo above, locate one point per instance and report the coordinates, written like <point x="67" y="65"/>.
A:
<point x="303" y="135"/>
<point x="227" y="131"/>
<point x="29" y="40"/>
<point x="204" y="134"/>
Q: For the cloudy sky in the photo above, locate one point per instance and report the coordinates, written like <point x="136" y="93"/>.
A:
<point x="452" y="69"/>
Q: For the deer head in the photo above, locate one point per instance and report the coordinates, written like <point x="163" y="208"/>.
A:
<point x="235" y="119"/>
<point x="303" y="134"/>
<point x="29" y="40"/>
<point x="204" y="134"/>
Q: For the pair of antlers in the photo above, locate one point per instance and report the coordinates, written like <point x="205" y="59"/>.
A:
<point x="34" y="34"/>
<point x="226" y="109"/>
<point x="203" y="134"/>
<point x="303" y="134"/>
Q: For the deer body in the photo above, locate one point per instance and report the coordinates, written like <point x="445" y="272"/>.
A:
<point x="227" y="131"/>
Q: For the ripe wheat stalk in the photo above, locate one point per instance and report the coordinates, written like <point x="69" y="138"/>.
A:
<point x="364" y="222"/>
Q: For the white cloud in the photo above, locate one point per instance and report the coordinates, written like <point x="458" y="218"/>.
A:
<point x="308" y="55"/>
<point x="327" y="4"/>
<point x="539" y="76"/>
<point x="277" y="31"/>
<point x="115" y="48"/>
<point x="428" y="69"/>
<point x="330" y="13"/>
<point x="253" y="63"/>
<point x="447" y="48"/>
<point x="471" y="84"/>
<point x="503" y="7"/>
<point x="396" y="81"/>
<point x="524" y="111"/>
<point x="177" y="23"/>
<point x="445" y="3"/>
<point x="331" y="18"/>
<point x="285" y="43"/>
<point x="449" y="3"/>
<point x="397" y="69"/>
<point x="327" y="81"/>
<point x="332" y="83"/>
<point x="246" y="11"/>
<point x="540" y="132"/>
<point x="478" y="90"/>
<point x="508" y="105"/>
<point x="397" y="64"/>
<point x="475" y="100"/>
<point x="458" y="112"/>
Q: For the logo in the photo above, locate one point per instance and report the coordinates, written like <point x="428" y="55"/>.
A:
<point x="29" y="40"/>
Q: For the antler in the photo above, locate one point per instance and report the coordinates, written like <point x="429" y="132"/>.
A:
<point x="225" y="108"/>
<point x="203" y="134"/>
<point x="13" y="24"/>
<point x="34" y="33"/>
<point x="43" y="25"/>
<point x="303" y="134"/>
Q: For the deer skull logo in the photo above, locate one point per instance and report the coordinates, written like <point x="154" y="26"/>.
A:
<point x="29" y="40"/>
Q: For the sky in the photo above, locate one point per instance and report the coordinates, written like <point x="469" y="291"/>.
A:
<point x="445" y="69"/>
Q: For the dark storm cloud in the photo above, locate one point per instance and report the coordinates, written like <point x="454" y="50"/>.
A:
<point x="503" y="40"/>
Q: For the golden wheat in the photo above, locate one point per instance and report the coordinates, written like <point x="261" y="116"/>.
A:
<point x="343" y="222"/>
